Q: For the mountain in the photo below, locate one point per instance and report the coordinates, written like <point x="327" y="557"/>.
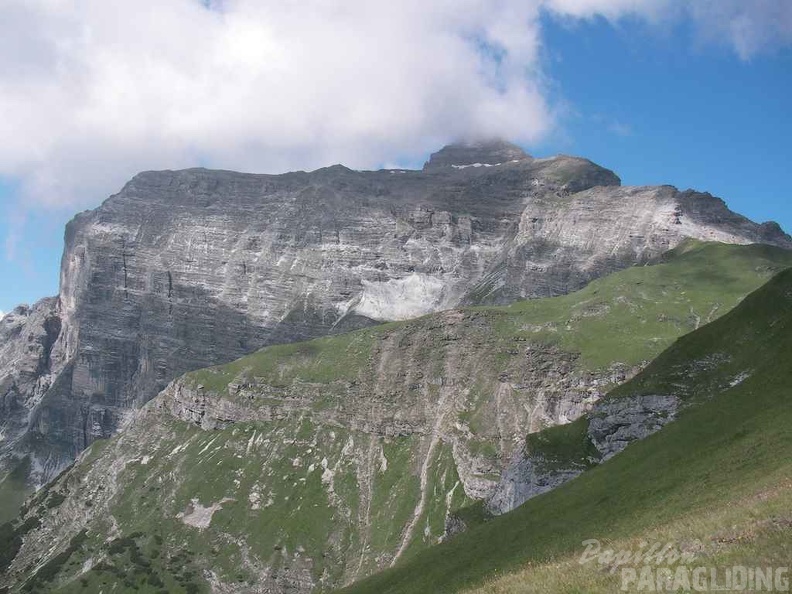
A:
<point x="716" y="482"/>
<point x="184" y="269"/>
<point x="306" y="466"/>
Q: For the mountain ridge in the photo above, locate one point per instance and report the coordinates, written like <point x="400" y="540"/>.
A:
<point x="184" y="269"/>
<point x="314" y="464"/>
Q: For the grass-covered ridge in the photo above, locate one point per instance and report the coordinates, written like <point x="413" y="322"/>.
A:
<point x="722" y="472"/>
<point x="629" y="316"/>
<point x="633" y="315"/>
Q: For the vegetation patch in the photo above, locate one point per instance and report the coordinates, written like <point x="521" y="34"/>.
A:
<point x="14" y="489"/>
<point x="563" y="447"/>
<point x="53" y="566"/>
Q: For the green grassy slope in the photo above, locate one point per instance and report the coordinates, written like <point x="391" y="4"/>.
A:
<point x="725" y="464"/>
<point x="14" y="490"/>
<point x="298" y="487"/>
<point x="633" y="315"/>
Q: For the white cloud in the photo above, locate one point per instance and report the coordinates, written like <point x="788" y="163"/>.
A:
<point x="92" y="94"/>
<point x="611" y="9"/>
<point x="749" y="26"/>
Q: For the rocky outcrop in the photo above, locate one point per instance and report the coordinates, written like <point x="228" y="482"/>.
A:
<point x="612" y="425"/>
<point x="527" y="476"/>
<point x="479" y="154"/>
<point x="184" y="269"/>
<point x="616" y="422"/>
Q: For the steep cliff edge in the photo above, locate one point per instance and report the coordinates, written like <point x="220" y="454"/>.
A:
<point x="306" y="466"/>
<point x="32" y="358"/>
<point x="184" y="269"/>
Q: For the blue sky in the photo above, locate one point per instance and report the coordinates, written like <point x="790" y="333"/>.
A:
<point x="32" y="244"/>
<point x="657" y="103"/>
<point x="657" y="109"/>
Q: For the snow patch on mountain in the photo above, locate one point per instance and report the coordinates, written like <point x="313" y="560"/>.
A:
<point x="400" y="299"/>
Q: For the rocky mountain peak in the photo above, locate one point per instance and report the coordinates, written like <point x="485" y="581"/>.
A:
<point x="471" y="153"/>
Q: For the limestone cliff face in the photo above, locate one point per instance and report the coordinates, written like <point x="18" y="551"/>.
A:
<point x="183" y="269"/>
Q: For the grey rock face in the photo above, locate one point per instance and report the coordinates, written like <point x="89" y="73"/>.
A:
<point x="618" y="421"/>
<point x="526" y="477"/>
<point x="613" y="424"/>
<point x="30" y="362"/>
<point x="184" y="269"/>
